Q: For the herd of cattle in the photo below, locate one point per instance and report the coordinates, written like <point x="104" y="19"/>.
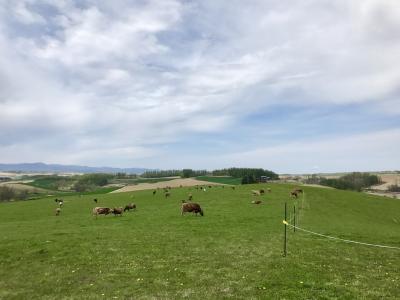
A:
<point x="187" y="205"/>
<point x="116" y="210"/>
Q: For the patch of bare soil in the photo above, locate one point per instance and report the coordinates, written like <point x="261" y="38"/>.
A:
<point x="162" y="184"/>
<point x="388" y="179"/>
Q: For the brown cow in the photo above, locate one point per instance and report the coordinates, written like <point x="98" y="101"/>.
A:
<point x="101" y="211"/>
<point x="130" y="206"/>
<point x="295" y="193"/>
<point x="191" y="207"/>
<point x="117" y="211"/>
<point x="262" y="192"/>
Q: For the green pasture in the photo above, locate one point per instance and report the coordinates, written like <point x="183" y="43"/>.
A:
<point x="234" y="251"/>
<point x="48" y="182"/>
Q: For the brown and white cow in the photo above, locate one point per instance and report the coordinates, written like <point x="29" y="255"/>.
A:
<point x="117" y="211"/>
<point x="130" y="206"/>
<point x="101" y="211"/>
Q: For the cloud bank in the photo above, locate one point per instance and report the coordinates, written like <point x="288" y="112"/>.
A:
<point x="202" y="84"/>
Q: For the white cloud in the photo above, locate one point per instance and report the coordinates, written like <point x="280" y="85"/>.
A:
<point x="363" y="152"/>
<point x="136" y="74"/>
<point x="25" y="15"/>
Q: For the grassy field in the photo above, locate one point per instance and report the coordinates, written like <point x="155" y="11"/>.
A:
<point x="234" y="251"/>
<point x="224" y="180"/>
<point x="48" y="182"/>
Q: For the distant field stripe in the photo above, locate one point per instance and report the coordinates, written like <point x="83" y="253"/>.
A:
<point x="224" y="180"/>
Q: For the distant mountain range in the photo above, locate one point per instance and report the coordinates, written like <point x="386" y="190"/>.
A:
<point x="54" y="168"/>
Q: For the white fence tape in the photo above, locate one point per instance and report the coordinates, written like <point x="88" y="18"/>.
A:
<point x="339" y="239"/>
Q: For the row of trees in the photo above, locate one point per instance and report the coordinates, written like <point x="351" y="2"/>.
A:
<point x="161" y="173"/>
<point x="246" y="172"/>
<point x="354" y="181"/>
<point x="185" y="173"/>
<point x="249" y="175"/>
<point x="7" y="193"/>
<point x="90" y="182"/>
<point x="394" y="188"/>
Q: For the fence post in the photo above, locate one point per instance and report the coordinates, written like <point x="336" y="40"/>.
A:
<point x="294" y="218"/>
<point x="284" y="231"/>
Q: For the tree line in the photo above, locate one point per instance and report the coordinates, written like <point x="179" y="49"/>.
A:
<point x="355" y="181"/>
<point x="185" y="173"/>
<point x="248" y="175"/>
<point x="8" y="193"/>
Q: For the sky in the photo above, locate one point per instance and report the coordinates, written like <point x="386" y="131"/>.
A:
<point x="290" y="86"/>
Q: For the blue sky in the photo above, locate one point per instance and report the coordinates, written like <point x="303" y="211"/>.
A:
<point x="295" y="87"/>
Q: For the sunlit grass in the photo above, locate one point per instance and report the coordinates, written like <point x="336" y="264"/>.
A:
<point x="234" y="251"/>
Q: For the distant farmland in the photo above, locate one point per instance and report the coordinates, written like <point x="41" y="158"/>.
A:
<point x="221" y="179"/>
<point x="234" y="251"/>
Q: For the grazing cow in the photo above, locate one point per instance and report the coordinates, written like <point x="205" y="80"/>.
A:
<point x="190" y="197"/>
<point x="167" y="194"/>
<point x="95" y="200"/>
<point x="154" y="192"/>
<point x="130" y="206"/>
<point x="61" y="202"/>
<point x="262" y="192"/>
<point x="117" y="211"/>
<point x="101" y="211"/>
<point x="191" y="207"/>
<point x="255" y="193"/>
<point x="295" y="193"/>
<point x="58" y="211"/>
<point x="256" y="202"/>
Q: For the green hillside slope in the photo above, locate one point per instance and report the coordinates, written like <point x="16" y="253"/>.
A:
<point x="235" y="250"/>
